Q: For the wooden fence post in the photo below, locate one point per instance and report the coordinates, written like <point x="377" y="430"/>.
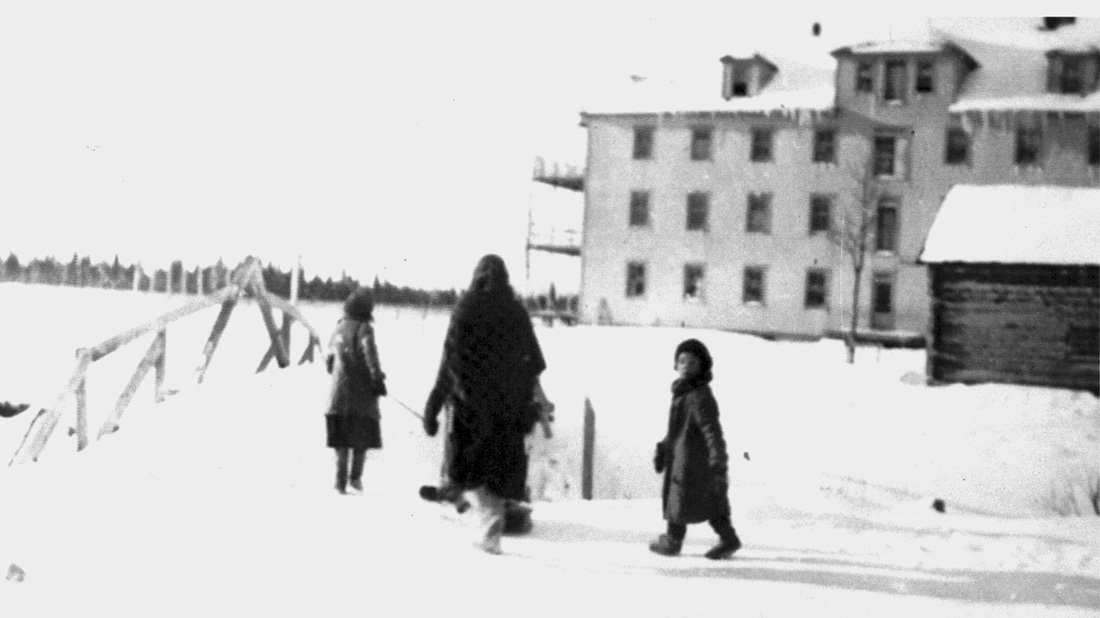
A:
<point x="154" y="353"/>
<point x="81" y="397"/>
<point x="215" y="337"/>
<point x="589" y="454"/>
<point x="159" y="365"/>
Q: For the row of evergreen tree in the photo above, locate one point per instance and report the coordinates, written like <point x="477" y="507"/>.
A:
<point x="82" y="272"/>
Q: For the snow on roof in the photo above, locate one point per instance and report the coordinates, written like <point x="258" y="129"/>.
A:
<point x="894" y="47"/>
<point x="1012" y="72"/>
<point x="1016" y="224"/>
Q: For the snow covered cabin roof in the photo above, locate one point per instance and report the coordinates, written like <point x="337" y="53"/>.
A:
<point x="1014" y="59"/>
<point x="1016" y="224"/>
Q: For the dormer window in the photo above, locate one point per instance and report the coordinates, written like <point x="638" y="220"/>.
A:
<point x="926" y="77"/>
<point x="740" y="87"/>
<point x="1072" y="73"/>
<point x="895" y="81"/>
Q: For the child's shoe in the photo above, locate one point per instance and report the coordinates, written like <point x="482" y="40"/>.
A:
<point x="724" y="549"/>
<point x="666" y="546"/>
<point x="356" y="484"/>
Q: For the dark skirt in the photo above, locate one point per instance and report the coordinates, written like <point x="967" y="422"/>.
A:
<point x="356" y="432"/>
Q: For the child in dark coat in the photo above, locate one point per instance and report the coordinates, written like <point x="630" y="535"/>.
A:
<point x="693" y="458"/>
<point x="353" y="417"/>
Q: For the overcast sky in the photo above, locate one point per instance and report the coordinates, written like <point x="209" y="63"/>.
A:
<point x="392" y="141"/>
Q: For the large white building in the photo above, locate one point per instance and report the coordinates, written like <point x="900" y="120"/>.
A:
<point x="720" y="203"/>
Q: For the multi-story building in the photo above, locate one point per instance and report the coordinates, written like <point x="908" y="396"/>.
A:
<point x="728" y="207"/>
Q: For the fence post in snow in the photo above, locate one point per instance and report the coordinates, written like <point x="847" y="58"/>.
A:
<point x="158" y="366"/>
<point x="589" y="453"/>
<point x="80" y="394"/>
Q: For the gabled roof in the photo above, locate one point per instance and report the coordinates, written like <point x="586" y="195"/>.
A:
<point x="1016" y="224"/>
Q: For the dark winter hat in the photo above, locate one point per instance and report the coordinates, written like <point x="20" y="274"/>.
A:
<point x="360" y="305"/>
<point x="697" y="349"/>
<point x="490" y="275"/>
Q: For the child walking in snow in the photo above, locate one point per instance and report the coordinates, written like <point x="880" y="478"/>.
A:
<point x="352" y="418"/>
<point x="693" y="458"/>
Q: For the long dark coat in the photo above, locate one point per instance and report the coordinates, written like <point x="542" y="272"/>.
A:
<point x="694" y="453"/>
<point x="357" y="383"/>
<point x="491" y="361"/>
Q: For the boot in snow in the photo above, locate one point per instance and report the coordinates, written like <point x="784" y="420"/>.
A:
<point x="666" y="546"/>
<point x="725" y="548"/>
<point x="356" y="484"/>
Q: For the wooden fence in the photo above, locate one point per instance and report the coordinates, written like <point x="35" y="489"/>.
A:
<point x="247" y="281"/>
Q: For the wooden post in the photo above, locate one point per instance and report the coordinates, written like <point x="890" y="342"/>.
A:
<point x="43" y="425"/>
<point x="137" y="277"/>
<point x="158" y="364"/>
<point x="589" y="453"/>
<point x="81" y="397"/>
<point x="215" y="337"/>
<point x="152" y="355"/>
<point x="272" y="331"/>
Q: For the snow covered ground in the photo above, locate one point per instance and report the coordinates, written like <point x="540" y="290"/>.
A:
<point x="219" y="501"/>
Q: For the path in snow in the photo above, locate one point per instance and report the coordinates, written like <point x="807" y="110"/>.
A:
<point x="219" y="501"/>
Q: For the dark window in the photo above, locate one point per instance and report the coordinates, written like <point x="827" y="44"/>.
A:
<point x="926" y="77"/>
<point x="882" y="295"/>
<point x="895" y="81"/>
<point x="740" y="81"/>
<point x="752" y="288"/>
<point x="825" y="146"/>
<point x="700" y="143"/>
<point x="885" y="153"/>
<point x="1072" y="73"/>
<point x="956" y="147"/>
<point x="1094" y="145"/>
<point x="639" y="208"/>
<point x="817" y="288"/>
<point x="635" y="279"/>
<point x="1029" y="144"/>
<point x="865" y="77"/>
<point x="761" y="145"/>
<point x="821" y="207"/>
<point x="1083" y="341"/>
<point x="693" y="281"/>
<point x="698" y="203"/>
<point x="643" y="142"/>
<point x="759" y="216"/>
<point x="886" y="230"/>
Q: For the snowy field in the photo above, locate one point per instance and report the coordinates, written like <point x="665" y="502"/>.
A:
<point x="218" y="501"/>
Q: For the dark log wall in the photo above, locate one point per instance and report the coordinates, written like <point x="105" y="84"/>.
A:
<point x="1021" y="324"/>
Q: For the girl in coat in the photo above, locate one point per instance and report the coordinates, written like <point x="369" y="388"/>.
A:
<point x="693" y="458"/>
<point x="352" y="418"/>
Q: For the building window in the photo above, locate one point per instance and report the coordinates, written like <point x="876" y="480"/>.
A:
<point x="825" y="146"/>
<point x="886" y="228"/>
<point x="698" y="205"/>
<point x="693" y="281"/>
<point x="926" y="77"/>
<point x="1072" y="72"/>
<point x="752" y="286"/>
<point x="700" y="143"/>
<point x="817" y="288"/>
<point x="639" y="208"/>
<point x="895" y="81"/>
<point x="759" y="217"/>
<point x="761" y="145"/>
<point x="643" y="142"/>
<point x="865" y="77"/>
<point x="1029" y="145"/>
<point x="1094" y="145"/>
<point x="821" y="207"/>
<point x="740" y="87"/>
<point x="885" y="154"/>
<point x="956" y="147"/>
<point x="635" y="279"/>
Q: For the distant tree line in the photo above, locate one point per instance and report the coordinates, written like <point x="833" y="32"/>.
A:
<point x="82" y="272"/>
